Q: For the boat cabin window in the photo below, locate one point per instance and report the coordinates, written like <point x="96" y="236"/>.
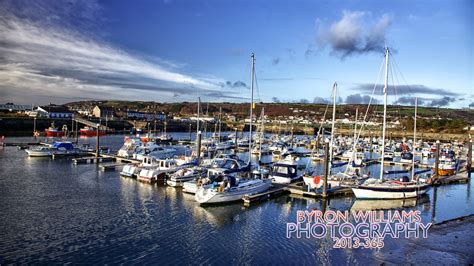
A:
<point x="284" y="170"/>
<point x="230" y="165"/>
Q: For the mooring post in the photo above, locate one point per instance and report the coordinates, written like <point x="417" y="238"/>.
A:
<point x="469" y="155"/>
<point x="34" y="127"/>
<point x="75" y="132"/>
<point x="198" y="147"/>
<point x="326" y="167"/>
<point x="190" y="133"/>
<point x="236" y="134"/>
<point x="97" y="142"/>
<point x="436" y="160"/>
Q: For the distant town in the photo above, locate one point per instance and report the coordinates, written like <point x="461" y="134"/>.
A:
<point x="301" y="118"/>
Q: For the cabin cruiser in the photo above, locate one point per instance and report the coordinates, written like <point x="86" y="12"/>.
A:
<point x="178" y="178"/>
<point x="58" y="147"/>
<point x="136" y="149"/>
<point x="218" y="167"/>
<point x="406" y="157"/>
<point x="161" y="167"/>
<point x="284" y="172"/>
<point x="230" y="189"/>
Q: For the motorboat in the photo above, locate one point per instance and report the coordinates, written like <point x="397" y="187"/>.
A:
<point x="58" y="147"/>
<point x="161" y="167"/>
<point x="284" y="172"/>
<point x="178" y="178"/>
<point x="406" y="157"/>
<point x="230" y="189"/>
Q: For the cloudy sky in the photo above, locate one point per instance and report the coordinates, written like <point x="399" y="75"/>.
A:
<point x="172" y="50"/>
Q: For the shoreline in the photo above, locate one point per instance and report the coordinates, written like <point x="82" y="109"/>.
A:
<point x="449" y="242"/>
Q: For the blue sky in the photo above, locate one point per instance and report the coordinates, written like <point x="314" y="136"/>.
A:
<point x="168" y="51"/>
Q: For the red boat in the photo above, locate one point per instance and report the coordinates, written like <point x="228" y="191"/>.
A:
<point x="91" y="132"/>
<point x="53" y="132"/>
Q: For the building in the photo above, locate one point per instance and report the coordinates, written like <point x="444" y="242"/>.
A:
<point x="11" y="107"/>
<point x="54" y="111"/>
<point x="145" y="116"/>
<point x="103" y="111"/>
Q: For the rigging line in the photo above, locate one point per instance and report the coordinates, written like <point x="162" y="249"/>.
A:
<point x="367" y="110"/>
<point x="395" y="89"/>
<point x="318" y="135"/>
<point x="401" y="74"/>
<point x="256" y="86"/>
<point x="397" y="82"/>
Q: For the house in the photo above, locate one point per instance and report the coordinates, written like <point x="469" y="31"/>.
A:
<point x="54" y="111"/>
<point x="145" y="116"/>
<point x="103" y="111"/>
<point x="11" y="107"/>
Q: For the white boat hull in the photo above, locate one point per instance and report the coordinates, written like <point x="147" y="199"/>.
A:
<point x="212" y="196"/>
<point x="393" y="193"/>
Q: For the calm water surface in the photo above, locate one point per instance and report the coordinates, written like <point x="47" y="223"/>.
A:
<point x="53" y="211"/>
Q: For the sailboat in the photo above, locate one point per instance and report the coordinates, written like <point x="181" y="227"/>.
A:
<point x="391" y="189"/>
<point x="232" y="188"/>
<point x="343" y="179"/>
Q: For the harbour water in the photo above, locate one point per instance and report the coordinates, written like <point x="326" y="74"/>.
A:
<point x="53" y="211"/>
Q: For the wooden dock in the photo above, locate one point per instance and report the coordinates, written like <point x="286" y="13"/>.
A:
<point x="91" y="159"/>
<point x="299" y="189"/>
<point x="110" y="166"/>
<point x="274" y="191"/>
<point x="20" y="144"/>
<point x="461" y="177"/>
<point x="68" y="155"/>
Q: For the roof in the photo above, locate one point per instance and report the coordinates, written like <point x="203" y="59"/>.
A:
<point x="105" y="108"/>
<point x="52" y="108"/>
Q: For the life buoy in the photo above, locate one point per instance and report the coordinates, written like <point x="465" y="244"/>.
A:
<point x="316" y="179"/>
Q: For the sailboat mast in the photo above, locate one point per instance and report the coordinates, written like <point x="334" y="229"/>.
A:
<point x="199" y="105"/>
<point x="355" y="134"/>
<point x="262" y="135"/>
<point x="220" y="117"/>
<point x="334" y="91"/>
<point x="414" y="140"/>
<point x="251" y="106"/>
<point x="385" y="89"/>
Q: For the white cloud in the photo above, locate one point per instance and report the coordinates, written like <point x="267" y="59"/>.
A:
<point x="41" y="59"/>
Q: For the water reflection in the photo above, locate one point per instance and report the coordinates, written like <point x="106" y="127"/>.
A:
<point x="53" y="211"/>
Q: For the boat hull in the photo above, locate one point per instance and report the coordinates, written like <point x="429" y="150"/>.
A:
<point x="54" y="134"/>
<point x="446" y="172"/>
<point x="91" y="133"/>
<point x="207" y="196"/>
<point x="366" y="192"/>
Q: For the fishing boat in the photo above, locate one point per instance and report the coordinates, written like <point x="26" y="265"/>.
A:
<point x="54" y="132"/>
<point x="230" y="189"/>
<point x="447" y="164"/>
<point x="391" y="189"/>
<point x="91" y="132"/>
